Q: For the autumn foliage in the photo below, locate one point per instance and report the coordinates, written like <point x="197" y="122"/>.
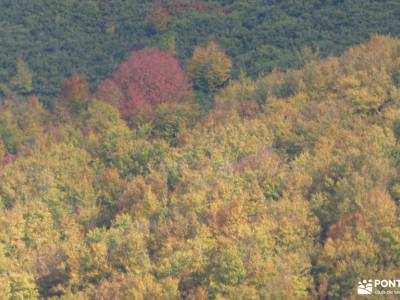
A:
<point x="150" y="77"/>
<point x="108" y="91"/>
<point x="289" y="188"/>
<point x="209" y="68"/>
<point x="75" y="93"/>
<point x="159" y="17"/>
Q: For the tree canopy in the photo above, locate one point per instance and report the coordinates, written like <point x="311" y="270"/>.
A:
<point x="288" y="188"/>
<point x="58" y="38"/>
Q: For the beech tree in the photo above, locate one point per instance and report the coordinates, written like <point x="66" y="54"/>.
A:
<point x="150" y="77"/>
<point x="209" y="68"/>
<point x="75" y="93"/>
<point x="109" y="92"/>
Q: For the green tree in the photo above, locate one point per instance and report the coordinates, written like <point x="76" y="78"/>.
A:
<point x="22" y="81"/>
<point x="23" y="287"/>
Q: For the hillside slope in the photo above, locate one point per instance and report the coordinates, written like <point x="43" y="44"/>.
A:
<point x="58" y="38"/>
<point x="288" y="189"/>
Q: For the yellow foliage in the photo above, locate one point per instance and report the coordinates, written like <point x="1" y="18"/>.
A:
<point x="209" y="68"/>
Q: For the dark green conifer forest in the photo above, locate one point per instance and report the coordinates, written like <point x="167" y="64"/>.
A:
<point x="188" y="149"/>
<point x="60" y="37"/>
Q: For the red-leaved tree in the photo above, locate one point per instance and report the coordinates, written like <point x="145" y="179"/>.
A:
<point x="150" y="77"/>
<point x="108" y="91"/>
<point x="75" y="93"/>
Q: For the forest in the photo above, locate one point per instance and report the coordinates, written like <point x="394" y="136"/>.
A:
<point x="150" y="150"/>
<point x="287" y="189"/>
<point x="58" y="38"/>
